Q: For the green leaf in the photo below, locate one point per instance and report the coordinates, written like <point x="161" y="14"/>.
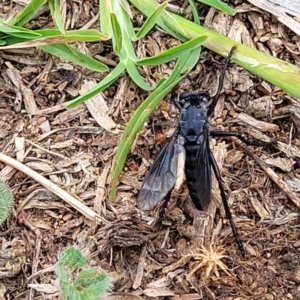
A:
<point x="72" y="258"/>
<point x="192" y="60"/>
<point x="102" y="85"/>
<point x="126" y="7"/>
<point x="90" y="284"/>
<point x="117" y="34"/>
<point x="82" y="35"/>
<point x="105" y="18"/>
<point x="172" y="53"/>
<point x="19" y="32"/>
<point x="85" y="35"/>
<point x="123" y="13"/>
<point x="151" y="21"/>
<point x="47" y="37"/>
<point x="98" y="288"/>
<point x="56" y="15"/>
<point x="71" y="54"/>
<point x="220" y="5"/>
<point x="136" y="77"/>
<point x="28" y="13"/>
<point x="194" y="11"/>
<point x="276" y="71"/>
<point x="90" y="277"/>
<point x="183" y="65"/>
<point x="6" y="201"/>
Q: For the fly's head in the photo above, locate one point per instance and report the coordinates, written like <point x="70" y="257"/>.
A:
<point x="194" y="98"/>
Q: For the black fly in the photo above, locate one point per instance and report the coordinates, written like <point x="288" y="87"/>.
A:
<point x="189" y="144"/>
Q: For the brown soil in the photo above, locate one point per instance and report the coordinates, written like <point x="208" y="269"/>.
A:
<point x="192" y="254"/>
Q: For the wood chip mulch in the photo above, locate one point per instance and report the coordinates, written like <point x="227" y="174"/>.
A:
<point x="190" y="254"/>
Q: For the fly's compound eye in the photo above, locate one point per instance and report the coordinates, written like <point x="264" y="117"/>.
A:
<point x="184" y="96"/>
<point x="204" y="96"/>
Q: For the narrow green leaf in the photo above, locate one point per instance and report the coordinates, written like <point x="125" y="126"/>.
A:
<point x="184" y="63"/>
<point x="123" y="14"/>
<point x="28" y="13"/>
<point x="136" y="77"/>
<point x="47" y="37"/>
<point x="276" y="71"/>
<point x="117" y="34"/>
<point x="85" y="35"/>
<point x="18" y="32"/>
<point x="71" y="54"/>
<point x="194" y="11"/>
<point x="172" y="53"/>
<point x="82" y="35"/>
<point x="56" y="15"/>
<point x="105" y="18"/>
<point x="126" y="7"/>
<point x="151" y="21"/>
<point x="193" y="59"/>
<point x="220" y="5"/>
<point x="128" y="51"/>
<point x="102" y="85"/>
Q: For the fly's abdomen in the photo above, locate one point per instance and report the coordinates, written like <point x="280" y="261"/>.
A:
<point x="191" y="171"/>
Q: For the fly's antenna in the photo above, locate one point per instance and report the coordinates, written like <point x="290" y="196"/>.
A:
<point x="221" y="79"/>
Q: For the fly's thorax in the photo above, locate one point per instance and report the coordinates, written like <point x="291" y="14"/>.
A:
<point x="193" y="120"/>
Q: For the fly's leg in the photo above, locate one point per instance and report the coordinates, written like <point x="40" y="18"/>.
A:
<point x="215" y="99"/>
<point x="162" y="210"/>
<point x="226" y="206"/>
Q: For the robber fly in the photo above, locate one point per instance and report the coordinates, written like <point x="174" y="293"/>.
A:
<point x="190" y="144"/>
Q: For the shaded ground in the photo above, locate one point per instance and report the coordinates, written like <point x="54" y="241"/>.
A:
<point x="147" y="262"/>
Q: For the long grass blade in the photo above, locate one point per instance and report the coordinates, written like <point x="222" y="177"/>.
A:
<point x="56" y="15"/>
<point x="220" y="5"/>
<point x="71" y="54"/>
<point x="28" y="13"/>
<point x="172" y="53"/>
<point x="151" y="21"/>
<point x="102" y="85"/>
<point x="184" y="64"/>
<point x="276" y="71"/>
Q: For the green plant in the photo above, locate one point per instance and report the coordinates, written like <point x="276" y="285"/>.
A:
<point x="6" y="201"/>
<point x="116" y="25"/>
<point x="54" y="41"/>
<point x="84" y="284"/>
<point x="267" y="67"/>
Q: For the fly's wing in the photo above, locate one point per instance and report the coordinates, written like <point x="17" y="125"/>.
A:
<point x="162" y="175"/>
<point x="203" y="182"/>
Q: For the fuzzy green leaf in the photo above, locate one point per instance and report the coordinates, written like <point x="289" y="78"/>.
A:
<point x="6" y="201"/>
